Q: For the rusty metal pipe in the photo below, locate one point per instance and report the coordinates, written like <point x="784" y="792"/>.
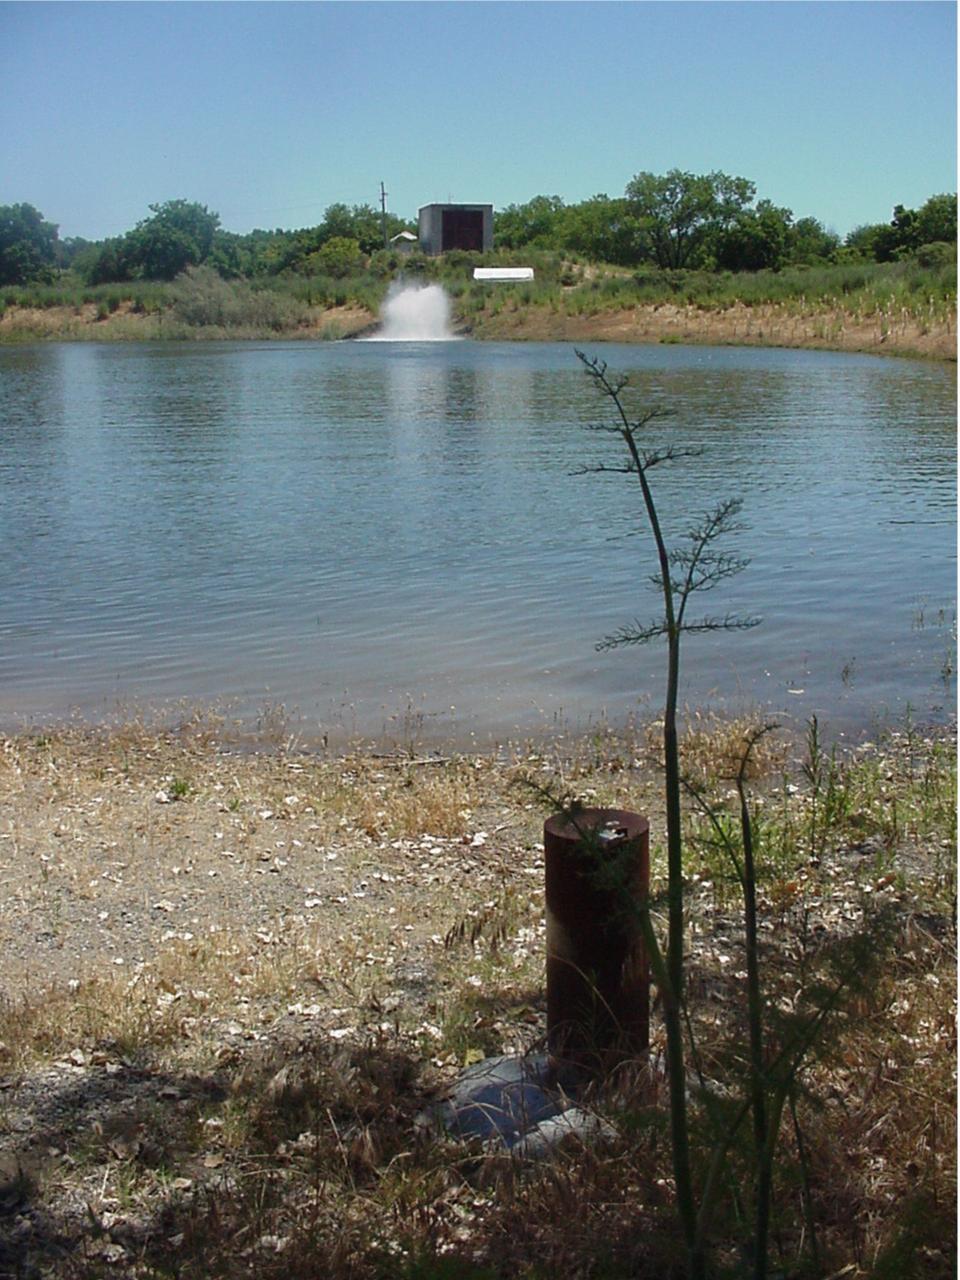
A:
<point x="598" y="984"/>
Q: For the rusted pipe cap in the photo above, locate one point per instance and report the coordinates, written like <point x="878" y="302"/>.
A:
<point x="620" y="823"/>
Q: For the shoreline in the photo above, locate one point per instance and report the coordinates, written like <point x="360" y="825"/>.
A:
<point x="176" y="828"/>
<point x="276" y="730"/>
<point x="894" y="333"/>
<point x="765" y="325"/>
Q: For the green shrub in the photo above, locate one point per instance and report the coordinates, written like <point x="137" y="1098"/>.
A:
<point x="937" y="254"/>
<point x="203" y="299"/>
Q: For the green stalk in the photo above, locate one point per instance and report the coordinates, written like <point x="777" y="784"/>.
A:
<point x="764" y="1149"/>
<point x="673" y="994"/>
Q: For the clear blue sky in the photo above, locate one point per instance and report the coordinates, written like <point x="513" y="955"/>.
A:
<point x="269" y="112"/>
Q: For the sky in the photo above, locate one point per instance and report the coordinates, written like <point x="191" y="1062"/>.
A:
<point x="269" y="112"/>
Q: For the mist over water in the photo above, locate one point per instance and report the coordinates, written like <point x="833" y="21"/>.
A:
<point x="415" y="313"/>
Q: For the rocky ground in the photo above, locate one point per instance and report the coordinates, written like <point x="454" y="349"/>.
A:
<point x="192" y="934"/>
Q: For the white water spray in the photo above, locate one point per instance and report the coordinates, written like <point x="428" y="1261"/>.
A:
<point x="415" y="313"/>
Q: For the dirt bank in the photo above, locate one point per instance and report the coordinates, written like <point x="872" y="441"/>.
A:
<point x="86" y="323"/>
<point x="895" y="333"/>
<point x="738" y="325"/>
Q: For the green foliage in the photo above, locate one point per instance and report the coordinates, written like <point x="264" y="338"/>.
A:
<point x="111" y="263"/>
<point x="27" y="245"/>
<point x="361" y="225"/>
<point x="534" y="223"/>
<point x="937" y="220"/>
<point x="338" y="257"/>
<point x="808" y="241"/>
<point x="193" y="221"/>
<point x="180" y="234"/>
<point x="757" y="240"/>
<point x="863" y="241"/>
<point x="937" y="254"/>
<point x="601" y="229"/>
<point x="72" y="249"/>
<point x="908" y="231"/>
<point x="674" y="222"/>
<point x="161" y="252"/>
<point x="699" y="240"/>
<point x="680" y="213"/>
<point x="202" y="298"/>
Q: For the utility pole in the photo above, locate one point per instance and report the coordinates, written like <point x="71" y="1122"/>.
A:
<point x="383" y="215"/>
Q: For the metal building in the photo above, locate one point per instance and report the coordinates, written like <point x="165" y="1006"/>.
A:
<point x="456" y="226"/>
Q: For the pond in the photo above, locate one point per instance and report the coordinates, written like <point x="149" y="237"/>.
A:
<point x="382" y="538"/>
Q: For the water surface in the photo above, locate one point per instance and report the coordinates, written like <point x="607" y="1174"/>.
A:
<point x="379" y="536"/>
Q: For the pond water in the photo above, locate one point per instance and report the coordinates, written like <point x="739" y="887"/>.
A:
<point x="384" y="538"/>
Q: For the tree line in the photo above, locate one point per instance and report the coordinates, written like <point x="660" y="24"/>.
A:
<point x="713" y="221"/>
<point x="674" y="221"/>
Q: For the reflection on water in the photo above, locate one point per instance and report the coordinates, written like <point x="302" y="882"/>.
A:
<point x="353" y="530"/>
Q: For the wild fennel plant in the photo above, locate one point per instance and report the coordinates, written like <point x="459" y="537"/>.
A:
<point x="778" y="1043"/>
<point x="696" y="565"/>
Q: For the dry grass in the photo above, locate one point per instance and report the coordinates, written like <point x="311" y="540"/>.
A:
<point x="127" y="323"/>
<point x="242" y="1101"/>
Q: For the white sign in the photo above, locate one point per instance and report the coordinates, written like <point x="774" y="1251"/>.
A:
<point x="503" y="273"/>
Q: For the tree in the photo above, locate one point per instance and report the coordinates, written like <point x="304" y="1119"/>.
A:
<point x="230" y="255"/>
<point x="28" y="245"/>
<point x="361" y="223"/>
<point x="70" y="249"/>
<point x="756" y="240"/>
<point x="862" y="241"/>
<point x="601" y="229"/>
<point x="937" y="220"/>
<point x="195" y="221"/>
<point x="907" y="231"/>
<point x="679" y="213"/>
<point x="179" y="235"/>
<point x="809" y="241"/>
<point x="899" y="238"/>
<point x="112" y="261"/>
<point x="534" y="223"/>
<point x="161" y="252"/>
<point x="337" y="256"/>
